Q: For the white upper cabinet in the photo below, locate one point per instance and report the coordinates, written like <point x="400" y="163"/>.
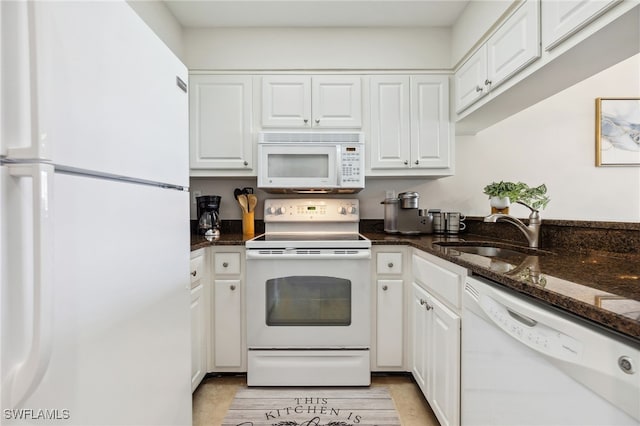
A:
<point x="410" y="127"/>
<point x="293" y="101"/>
<point x="430" y="126"/>
<point x="511" y="48"/>
<point x="470" y="79"/>
<point x="389" y="135"/>
<point x="220" y="111"/>
<point x="563" y="18"/>
<point x="515" y="44"/>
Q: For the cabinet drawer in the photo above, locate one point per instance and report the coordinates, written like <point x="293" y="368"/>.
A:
<point x="196" y="269"/>
<point x="389" y="263"/>
<point x="443" y="282"/>
<point x="227" y="263"/>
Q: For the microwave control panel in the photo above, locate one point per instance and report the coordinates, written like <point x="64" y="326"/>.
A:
<point x="352" y="165"/>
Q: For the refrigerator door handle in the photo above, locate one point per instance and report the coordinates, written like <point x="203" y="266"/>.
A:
<point x="26" y="375"/>
<point x="21" y="119"/>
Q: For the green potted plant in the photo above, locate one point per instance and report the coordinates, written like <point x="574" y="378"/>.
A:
<point x="502" y="194"/>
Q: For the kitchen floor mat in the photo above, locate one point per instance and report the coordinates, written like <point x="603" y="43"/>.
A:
<point x="302" y="406"/>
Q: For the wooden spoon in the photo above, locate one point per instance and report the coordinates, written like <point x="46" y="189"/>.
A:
<point x="253" y="201"/>
<point x="242" y="200"/>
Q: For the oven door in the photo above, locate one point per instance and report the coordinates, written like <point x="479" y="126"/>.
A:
<point x="308" y="298"/>
<point x="298" y="166"/>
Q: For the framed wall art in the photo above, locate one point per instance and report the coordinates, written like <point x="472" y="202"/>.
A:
<point x="618" y="132"/>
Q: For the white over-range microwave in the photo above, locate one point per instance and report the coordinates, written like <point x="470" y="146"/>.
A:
<point x="311" y="162"/>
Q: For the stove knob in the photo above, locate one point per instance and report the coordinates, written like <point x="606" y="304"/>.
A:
<point x="347" y="210"/>
<point x="275" y="210"/>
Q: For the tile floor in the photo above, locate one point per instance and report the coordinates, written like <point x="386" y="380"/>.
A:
<point x="214" y="395"/>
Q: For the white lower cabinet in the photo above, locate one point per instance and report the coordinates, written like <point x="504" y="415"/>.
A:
<point x="227" y="350"/>
<point x="198" y="318"/>
<point x="435" y="336"/>
<point x="436" y="354"/>
<point x="389" y="327"/>
<point x="388" y="352"/>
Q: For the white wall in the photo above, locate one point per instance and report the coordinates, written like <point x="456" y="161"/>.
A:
<point x="317" y="48"/>
<point x="158" y="17"/>
<point x="551" y="142"/>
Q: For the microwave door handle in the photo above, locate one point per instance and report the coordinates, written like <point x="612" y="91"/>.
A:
<point x="338" y="164"/>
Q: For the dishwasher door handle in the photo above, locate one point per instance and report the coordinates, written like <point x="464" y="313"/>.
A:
<point x="529" y="322"/>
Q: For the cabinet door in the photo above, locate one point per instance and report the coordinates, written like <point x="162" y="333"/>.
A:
<point x="563" y="18"/>
<point x="198" y="347"/>
<point x="220" y="110"/>
<point x="389" y="324"/>
<point x="470" y="78"/>
<point x="444" y="363"/>
<point x="419" y="336"/>
<point x="227" y="347"/>
<point x="390" y="118"/>
<point x="515" y="44"/>
<point x="286" y="101"/>
<point x="430" y="133"/>
<point x="336" y="102"/>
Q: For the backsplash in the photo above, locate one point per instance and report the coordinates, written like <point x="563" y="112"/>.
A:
<point x="614" y="237"/>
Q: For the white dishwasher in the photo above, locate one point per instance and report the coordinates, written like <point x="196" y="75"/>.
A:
<point x="526" y="364"/>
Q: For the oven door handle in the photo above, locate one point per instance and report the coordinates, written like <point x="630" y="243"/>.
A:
<point x="308" y="254"/>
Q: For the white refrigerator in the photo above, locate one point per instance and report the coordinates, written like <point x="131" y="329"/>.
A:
<point x="94" y="218"/>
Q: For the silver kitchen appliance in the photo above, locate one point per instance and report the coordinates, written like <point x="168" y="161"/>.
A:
<point x="308" y="296"/>
<point x="408" y="213"/>
<point x="391" y="207"/>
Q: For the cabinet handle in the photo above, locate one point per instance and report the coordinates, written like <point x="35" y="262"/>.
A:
<point x="306" y="121"/>
<point x="422" y="302"/>
<point x="487" y="82"/>
<point x="246" y="163"/>
<point x="385" y="288"/>
<point x="417" y="162"/>
<point x="406" y="162"/>
<point x="232" y="287"/>
<point x="225" y="264"/>
<point x="390" y="264"/>
<point x="194" y="273"/>
<point x="317" y="121"/>
<point x="428" y="306"/>
<point x="479" y="89"/>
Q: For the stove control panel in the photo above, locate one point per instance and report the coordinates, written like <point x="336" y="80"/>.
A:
<point x="307" y="210"/>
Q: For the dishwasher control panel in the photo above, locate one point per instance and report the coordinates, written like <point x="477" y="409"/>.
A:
<point x="531" y="332"/>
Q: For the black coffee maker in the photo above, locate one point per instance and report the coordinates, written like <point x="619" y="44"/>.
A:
<point x="208" y="214"/>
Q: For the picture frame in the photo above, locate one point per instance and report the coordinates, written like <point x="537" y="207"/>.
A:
<point x="617" y="132"/>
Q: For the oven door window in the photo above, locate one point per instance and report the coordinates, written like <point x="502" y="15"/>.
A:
<point x="308" y="301"/>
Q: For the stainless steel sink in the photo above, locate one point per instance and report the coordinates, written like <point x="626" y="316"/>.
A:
<point x="495" y="250"/>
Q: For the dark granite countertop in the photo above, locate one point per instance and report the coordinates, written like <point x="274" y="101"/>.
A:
<point x="600" y="286"/>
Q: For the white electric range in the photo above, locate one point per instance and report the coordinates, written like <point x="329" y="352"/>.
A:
<point x="308" y="295"/>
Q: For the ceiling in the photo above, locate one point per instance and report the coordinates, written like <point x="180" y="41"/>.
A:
<point x="316" y="13"/>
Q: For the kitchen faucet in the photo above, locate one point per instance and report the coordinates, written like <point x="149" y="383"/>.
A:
<point x="531" y="231"/>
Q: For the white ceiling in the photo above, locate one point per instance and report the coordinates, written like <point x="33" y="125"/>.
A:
<point x="316" y="13"/>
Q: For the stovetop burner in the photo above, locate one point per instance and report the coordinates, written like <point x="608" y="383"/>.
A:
<point x="309" y="240"/>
